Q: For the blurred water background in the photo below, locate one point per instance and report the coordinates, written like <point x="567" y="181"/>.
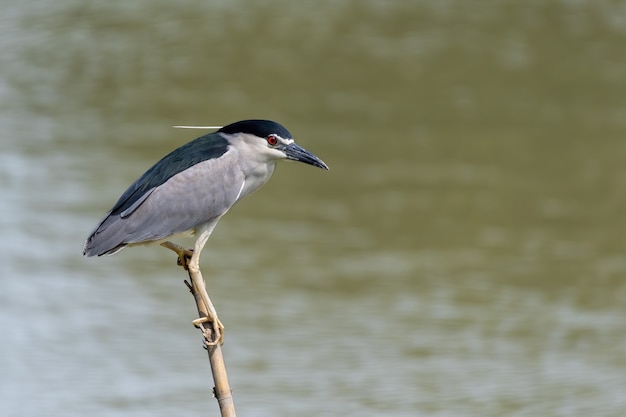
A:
<point x="463" y="257"/>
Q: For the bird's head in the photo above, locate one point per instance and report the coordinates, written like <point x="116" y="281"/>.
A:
<point x="269" y="141"/>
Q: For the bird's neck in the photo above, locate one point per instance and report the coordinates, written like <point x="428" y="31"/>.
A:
<point x="255" y="176"/>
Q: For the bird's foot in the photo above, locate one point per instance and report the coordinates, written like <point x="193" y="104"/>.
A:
<point x="212" y="336"/>
<point x="184" y="254"/>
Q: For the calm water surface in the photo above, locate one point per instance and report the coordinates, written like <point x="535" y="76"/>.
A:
<point x="463" y="257"/>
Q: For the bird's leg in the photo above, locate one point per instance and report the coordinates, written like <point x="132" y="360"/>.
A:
<point x="184" y="254"/>
<point x="190" y="260"/>
<point x="193" y="266"/>
<point x="217" y="335"/>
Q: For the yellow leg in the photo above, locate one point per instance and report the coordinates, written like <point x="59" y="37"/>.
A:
<point x="184" y="254"/>
<point x="190" y="260"/>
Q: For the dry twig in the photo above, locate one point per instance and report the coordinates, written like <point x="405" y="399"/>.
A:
<point x="212" y="336"/>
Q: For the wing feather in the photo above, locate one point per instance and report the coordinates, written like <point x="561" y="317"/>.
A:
<point x="190" y="198"/>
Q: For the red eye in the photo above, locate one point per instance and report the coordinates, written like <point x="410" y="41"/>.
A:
<point x="272" y="140"/>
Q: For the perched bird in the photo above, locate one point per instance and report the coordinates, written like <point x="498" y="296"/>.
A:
<point x="190" y="189"/>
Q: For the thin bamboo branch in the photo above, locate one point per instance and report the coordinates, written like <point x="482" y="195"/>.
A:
<point x="222" y="390"/>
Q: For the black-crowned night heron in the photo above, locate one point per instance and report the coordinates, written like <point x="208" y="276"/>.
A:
<point x="189" y="190"/>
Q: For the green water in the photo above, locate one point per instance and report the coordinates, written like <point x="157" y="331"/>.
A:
<point x="462" y="257"/>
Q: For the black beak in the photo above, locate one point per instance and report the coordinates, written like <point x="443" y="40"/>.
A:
<point x="298" y="153"/>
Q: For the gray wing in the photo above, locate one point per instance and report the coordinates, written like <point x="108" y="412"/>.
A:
<point x="195" y="196"/>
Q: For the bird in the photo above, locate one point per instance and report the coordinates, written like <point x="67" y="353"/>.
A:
<point x="189" y="190"/>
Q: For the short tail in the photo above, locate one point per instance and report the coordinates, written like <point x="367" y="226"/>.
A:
<point x="107" y="238"/>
